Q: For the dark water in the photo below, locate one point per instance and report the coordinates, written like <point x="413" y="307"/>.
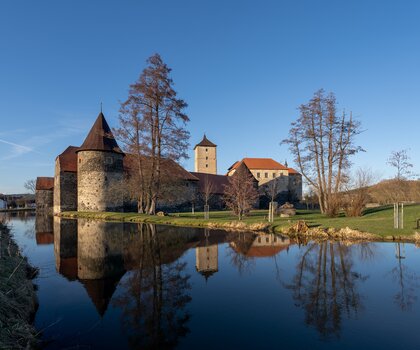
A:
<point x="127" y="286"/>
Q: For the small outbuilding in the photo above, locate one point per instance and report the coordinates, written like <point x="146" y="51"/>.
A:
<point x="44" y="191"/>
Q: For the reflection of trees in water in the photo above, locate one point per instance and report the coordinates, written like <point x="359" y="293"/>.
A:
<point x="406" y="280"/>
<point x="155" y="295"/>
<point x="325" y="286"/>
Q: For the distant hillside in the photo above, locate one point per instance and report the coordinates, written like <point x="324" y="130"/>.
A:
<point x="390" y="191"/>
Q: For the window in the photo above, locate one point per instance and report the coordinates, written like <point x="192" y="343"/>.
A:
<point x="206" y="149"/>
<point x="267" y="239"/>
<point x="266" y="175"/>
<point x="80" y="160"/>
<point x="274" y="175"/>
<point x="258" y="175"/>
<point x="207" y="158"/>
<point x="207" y="165"/>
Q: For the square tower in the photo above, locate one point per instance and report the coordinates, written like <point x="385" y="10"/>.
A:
<point x="205" y="157"/>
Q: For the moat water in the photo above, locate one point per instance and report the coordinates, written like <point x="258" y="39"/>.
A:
<point x="128" y="286"/>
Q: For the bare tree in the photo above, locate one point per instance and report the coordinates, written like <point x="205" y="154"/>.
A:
<point x="208" y="190"/>
<point x="326" y="286"/>
<point x="152" y="125"/>
<point x="271" y="190"/>
<point x="357" y="195"/>
<point x="30" y="185"/>
<point x="241" y="194"/>
<point x="130" y="134"/>
<point x="322" y="143"/>
<point x="400" y="160"/>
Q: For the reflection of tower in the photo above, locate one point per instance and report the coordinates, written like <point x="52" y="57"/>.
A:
<point x="206" y="258"/>
<point x="100" y="260"/>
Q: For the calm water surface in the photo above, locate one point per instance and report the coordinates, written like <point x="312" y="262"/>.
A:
<point x="128" y="286"/>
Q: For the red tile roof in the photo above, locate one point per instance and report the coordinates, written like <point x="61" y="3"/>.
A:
<point x="68" y="159"/>
<point x="44" y="183"/>
<point x="293" y="171"/>
<point x="260" y="163"/>
<point x="100" y="137"/>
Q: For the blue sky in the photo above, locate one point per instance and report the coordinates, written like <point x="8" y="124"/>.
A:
<point x="242" y="66"/>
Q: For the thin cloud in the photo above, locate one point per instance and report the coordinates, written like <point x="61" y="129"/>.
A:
<point x="17" y="150"/>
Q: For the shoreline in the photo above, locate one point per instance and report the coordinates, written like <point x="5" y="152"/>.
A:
<point x="293" y="228"/>
<point x="18" y="300"/>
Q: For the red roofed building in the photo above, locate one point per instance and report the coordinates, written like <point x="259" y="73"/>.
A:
<point x="270" y="174"/>
<point x="263" y="169"/>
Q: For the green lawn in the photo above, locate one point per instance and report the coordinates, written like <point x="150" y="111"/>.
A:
<point x="377" y="221"/>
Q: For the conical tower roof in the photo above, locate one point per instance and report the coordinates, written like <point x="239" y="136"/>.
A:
<point x="100" y="137"/>
<point x="101" y="291"/>
<point x="205" y="142"/>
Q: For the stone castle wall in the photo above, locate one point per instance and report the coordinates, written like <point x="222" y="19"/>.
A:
<point x="65" y="190"/>
<point x="100" y="185"/>
<point x="178" y="196"/>
<point x="295" y="187"/>
<point x="44" y="201"/>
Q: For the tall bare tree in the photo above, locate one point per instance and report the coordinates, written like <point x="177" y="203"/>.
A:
<point x="30" y="185"/>
<point x="130" y="134"/>
<point x="326" y="286"/>
<point x="241" y="194"/>
<point x="322" y="143"/>
<point x="152" y="125"/>
<point x="400" y="160"/>
<point x="208" y="190"/>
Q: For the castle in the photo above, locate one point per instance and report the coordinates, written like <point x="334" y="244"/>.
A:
<point x="86" y="177"/>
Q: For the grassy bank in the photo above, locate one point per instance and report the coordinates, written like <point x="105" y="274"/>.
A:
<point x="17" y="296"/>
<point x="378" y="221"/>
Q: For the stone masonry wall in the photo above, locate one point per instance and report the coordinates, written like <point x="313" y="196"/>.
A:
<point x="44" y="201"/>
<point x="65" y="190"/>
<point x="100" y="184"/>
<point x="295" y="187"/>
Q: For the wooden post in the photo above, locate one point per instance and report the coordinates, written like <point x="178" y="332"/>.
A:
<point x="402" y="216"/>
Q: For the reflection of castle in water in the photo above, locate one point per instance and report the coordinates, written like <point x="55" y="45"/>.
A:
<point x="98" y="254"/>
<point x="44" y="229"/>
<point x="263" y="245"/>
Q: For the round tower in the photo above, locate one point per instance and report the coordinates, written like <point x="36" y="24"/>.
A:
<point x="100" y="171"/>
